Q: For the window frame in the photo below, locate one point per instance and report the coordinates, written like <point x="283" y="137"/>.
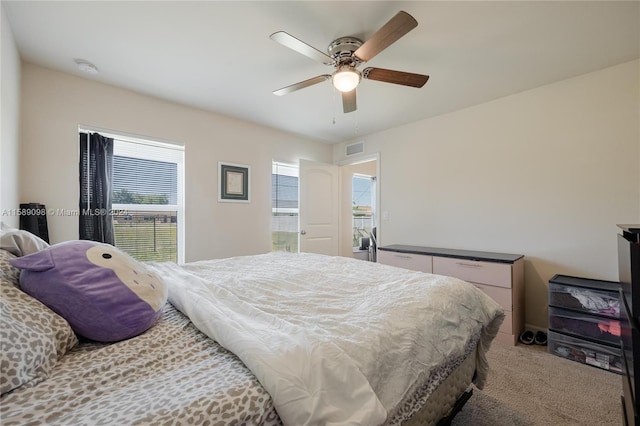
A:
<point x="151" y="143"/>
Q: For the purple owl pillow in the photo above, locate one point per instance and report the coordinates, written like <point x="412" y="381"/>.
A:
<point x="102" y="292"/>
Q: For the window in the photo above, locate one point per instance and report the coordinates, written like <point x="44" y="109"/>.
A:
<point x="147" y="193"/>
<point x="363" y="192"/>
<point x="284" y="207"/>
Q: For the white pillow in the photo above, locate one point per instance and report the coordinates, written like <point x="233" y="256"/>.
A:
<point x="21" y="242"/>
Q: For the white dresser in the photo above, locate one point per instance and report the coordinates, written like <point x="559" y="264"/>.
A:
<point x="499" y="275"/>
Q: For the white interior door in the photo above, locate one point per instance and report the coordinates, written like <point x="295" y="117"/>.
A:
<point x="319" y="208"/>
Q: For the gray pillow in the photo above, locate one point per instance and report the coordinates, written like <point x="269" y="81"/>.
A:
<point x="32" y="337"/>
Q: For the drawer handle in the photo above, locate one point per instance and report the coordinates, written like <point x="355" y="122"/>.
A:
<point x="402" y="256"/>
<point x="469" y="265"/>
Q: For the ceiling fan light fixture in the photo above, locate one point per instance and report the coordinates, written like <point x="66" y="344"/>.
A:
<point x="346" y="78"/>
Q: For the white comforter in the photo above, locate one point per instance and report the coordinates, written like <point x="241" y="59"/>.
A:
<point x="333" y="340"/>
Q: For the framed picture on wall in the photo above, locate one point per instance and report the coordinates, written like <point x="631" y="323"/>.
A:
<point x="233" y="182"/>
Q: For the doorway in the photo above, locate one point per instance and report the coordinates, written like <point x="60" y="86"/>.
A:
<point x="359" y="191"/>
<point x="351" y="223"/>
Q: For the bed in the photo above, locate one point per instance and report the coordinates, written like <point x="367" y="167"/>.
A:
<point x="269" y="339"/>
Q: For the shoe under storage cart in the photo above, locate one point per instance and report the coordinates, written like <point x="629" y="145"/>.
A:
<point x="584" y="321"/>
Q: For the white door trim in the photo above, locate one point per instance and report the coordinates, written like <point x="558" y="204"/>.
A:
<point x="356" y="159"/>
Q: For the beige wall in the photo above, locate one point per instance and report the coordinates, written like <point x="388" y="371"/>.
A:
<point x="10" y="108"/>
<point x="54" y="104"/>
<point x="547" y="173"/>
<point x="368" y="168"/>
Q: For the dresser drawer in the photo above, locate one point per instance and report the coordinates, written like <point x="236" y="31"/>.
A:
<point x="415" y="262"/>
<point x="496" y="274"/>
<point x="500" y="294"/>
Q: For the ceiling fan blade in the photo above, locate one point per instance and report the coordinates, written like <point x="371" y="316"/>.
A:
<point x="302" y="85"/>
<point x="395" y="77"/>
<point x="300" y="46"/>
<point x="390" y="32"/>
<point x="349" y="101"/>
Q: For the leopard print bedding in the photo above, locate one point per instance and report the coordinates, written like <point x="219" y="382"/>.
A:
<point x="32" y="337"/>
<point x="172" y="374"/>
<point x="7" y="270"/>
<point x="418" y="397"/>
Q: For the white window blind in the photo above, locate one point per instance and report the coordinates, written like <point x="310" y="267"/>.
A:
<point x="148" y="199"/>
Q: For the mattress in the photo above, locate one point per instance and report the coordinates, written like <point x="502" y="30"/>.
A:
<point x="443" y="398"/>
<point x="435" y="399"/>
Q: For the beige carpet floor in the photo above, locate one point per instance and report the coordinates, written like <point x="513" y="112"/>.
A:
<point x="528" y="386"/>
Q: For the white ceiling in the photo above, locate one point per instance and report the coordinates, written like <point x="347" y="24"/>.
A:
<point x="218" y="55"/>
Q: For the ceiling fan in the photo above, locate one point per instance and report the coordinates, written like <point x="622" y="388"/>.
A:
<point x="346" y="54"/>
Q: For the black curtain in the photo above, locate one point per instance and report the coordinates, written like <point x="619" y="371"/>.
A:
<point x="96" y="176"/>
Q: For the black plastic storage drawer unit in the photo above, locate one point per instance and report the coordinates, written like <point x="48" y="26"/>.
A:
<point x="585" y="321"/>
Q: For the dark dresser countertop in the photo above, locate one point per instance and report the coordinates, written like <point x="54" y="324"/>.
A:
<point x="458" y="254"/>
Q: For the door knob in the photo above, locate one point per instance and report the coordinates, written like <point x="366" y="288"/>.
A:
<point x="303" y="232"/>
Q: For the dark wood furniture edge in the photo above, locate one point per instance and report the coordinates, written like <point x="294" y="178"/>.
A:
<point x="454" y="253"/>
